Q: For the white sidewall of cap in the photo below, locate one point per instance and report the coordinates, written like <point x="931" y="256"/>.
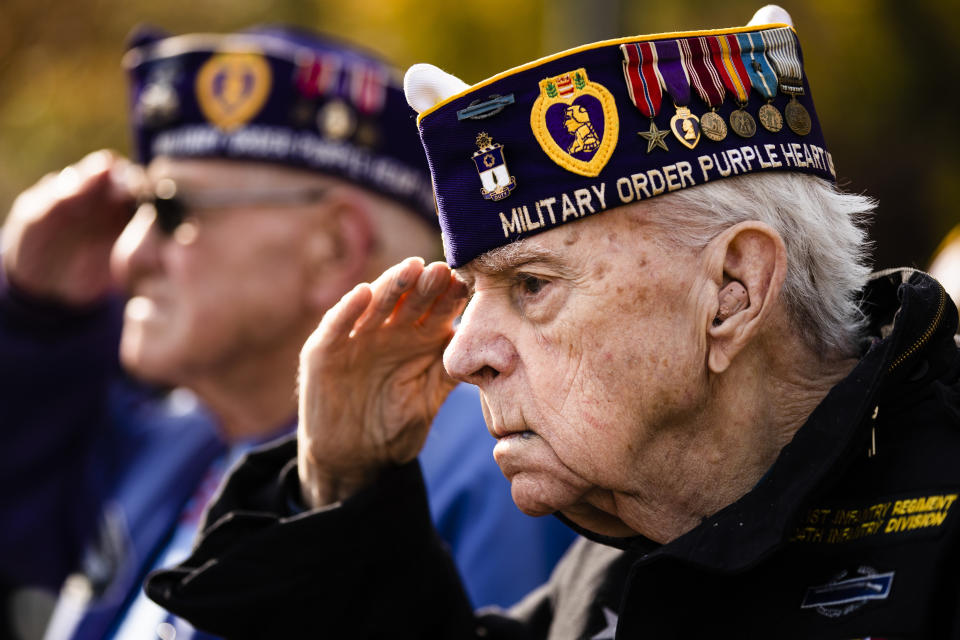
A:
<point x="771" y="14"/>
<point x="425" y="85"/>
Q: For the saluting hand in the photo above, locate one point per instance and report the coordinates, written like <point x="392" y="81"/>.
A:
<point x="58" y="236"/>
<point x="372" y="378"/>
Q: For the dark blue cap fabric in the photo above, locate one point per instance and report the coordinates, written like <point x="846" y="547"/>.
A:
<point x="615" y="122"/>
<point x="280" y="95"/>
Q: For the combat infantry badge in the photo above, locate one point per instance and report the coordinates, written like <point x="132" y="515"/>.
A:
<point x="232" y="88"/>
<point x="496" y="179"/>
<point x="576" y="122"/>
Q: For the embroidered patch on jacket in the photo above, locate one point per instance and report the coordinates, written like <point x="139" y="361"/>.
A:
<point x="845" y="594"/>
<point x="576" y="122"/>
<point x="232" y="88"/>
<point x="890" y="518"/>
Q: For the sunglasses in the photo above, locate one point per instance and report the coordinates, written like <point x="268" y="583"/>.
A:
<point x="172" y="208"/>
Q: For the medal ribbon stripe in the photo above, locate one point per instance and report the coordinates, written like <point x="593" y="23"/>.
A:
<point x="316" y="75"/>
<point x="762" y="76"/>
<point x="368" y="89"/>
<point x="643" y="83"/>
<point x="703" y="76"/>
<point x="672" y="71"/>
<point x="781" y="45"/>
<point x="727" y="60"/>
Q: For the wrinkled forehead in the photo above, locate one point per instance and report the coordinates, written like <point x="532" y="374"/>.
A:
<point x="570" y="250"/>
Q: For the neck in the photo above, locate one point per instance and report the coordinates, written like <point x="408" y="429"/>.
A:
<point x="253" y="398"/>
<point x="750" y="413"/>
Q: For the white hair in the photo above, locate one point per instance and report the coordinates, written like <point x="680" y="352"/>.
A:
<point x="824" y="233"/>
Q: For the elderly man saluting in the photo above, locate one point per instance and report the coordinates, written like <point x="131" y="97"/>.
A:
<point x="680" y="353"/>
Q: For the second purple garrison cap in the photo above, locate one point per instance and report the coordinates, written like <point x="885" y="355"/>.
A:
<point x="280" y="95"/>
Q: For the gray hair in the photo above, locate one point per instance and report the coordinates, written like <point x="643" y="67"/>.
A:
<point x="824" y="233"/>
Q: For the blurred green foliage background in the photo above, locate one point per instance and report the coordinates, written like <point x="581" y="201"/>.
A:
<point x="883" y="73"/>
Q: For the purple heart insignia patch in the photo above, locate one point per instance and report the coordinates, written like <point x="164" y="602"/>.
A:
<point x="576" y="123"/>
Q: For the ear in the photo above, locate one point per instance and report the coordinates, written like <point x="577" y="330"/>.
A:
<point x="339" y="247"/>
<point x="748" y="264"/>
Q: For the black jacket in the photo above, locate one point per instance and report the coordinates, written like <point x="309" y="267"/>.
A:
<point x="852" y="533"/>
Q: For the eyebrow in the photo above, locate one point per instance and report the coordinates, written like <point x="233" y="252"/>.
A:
<point x="510" y="258"/>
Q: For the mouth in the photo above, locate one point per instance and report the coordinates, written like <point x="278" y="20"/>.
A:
<point x="521" y="435"/>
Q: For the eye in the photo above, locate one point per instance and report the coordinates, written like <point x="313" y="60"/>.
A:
<point x="531" y="285"/>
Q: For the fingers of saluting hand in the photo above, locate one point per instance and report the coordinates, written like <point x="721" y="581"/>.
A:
<point x="433" y="282"/>
<point x="340" y="319"/>
<point x="447" y="305"/>
<point x="388" y="289"/>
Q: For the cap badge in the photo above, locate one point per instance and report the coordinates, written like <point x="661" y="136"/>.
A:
<point x="496" y="178"/>
<point x="576" y="122"/>
<point x="232" y="88"/>
<point x="478" y="110"/>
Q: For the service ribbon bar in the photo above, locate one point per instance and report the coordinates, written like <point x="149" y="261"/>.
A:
<point x="640" y="72"/>
<point x="705" y="78"/>
<point x="671" y="68"/>
<point x="782" y="46"/>
<point x="587" y="131"/>
<point x="762" y="76"/>
<point x="729" y="64"/>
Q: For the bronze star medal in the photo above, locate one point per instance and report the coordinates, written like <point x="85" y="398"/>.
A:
<point x="654" y="137"/>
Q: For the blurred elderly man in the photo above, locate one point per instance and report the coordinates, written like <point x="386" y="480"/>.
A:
<point x="282" y="170"/>
<point x="679" y="351"/>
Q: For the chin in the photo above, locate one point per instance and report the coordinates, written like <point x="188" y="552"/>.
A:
<point x="147" y="360"/>
<point x="535" y="496"/>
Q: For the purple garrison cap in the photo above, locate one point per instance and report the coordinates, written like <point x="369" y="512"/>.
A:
<point x="611" y="123"/>
<point x="281" y="95"/>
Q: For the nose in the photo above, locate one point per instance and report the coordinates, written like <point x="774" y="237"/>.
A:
<point x="480" y="350"/>
<point x="137" y="250"/>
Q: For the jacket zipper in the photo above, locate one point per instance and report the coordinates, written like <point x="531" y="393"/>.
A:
<point x="926" y="334"/>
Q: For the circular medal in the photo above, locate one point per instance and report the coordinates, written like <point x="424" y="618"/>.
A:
<point x="743" y="123"/>
<point x="770" y="118"/>
<point x="336" y="120"/>
<point x="713" y="126"/>
<point x="798" y="119"/>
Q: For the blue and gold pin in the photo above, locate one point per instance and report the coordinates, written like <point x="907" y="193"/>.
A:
<point x="496" y="178"/>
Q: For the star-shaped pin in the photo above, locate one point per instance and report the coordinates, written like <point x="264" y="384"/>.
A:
<point x="654" y="137"/>
<point x="610" y="631"/>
